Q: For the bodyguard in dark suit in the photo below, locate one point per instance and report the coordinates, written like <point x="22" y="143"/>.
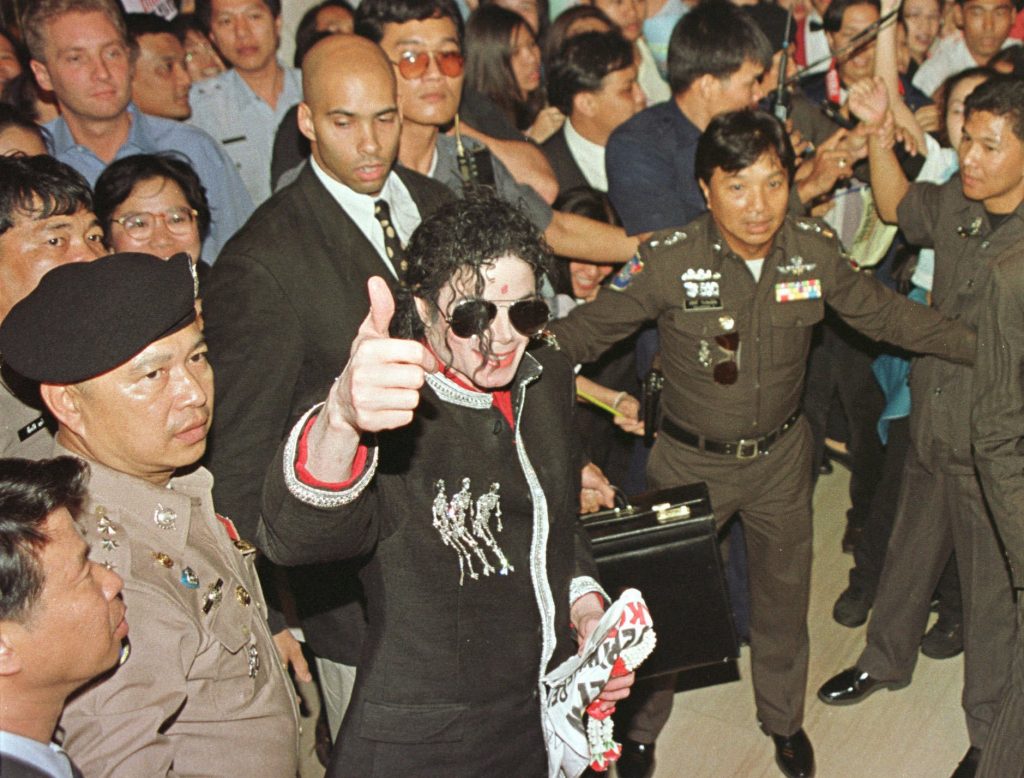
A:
<point x="592" y="80"/>
<point x="289" y="294"/>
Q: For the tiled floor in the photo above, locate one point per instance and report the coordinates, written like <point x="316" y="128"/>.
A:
<point x="917" y="732"/>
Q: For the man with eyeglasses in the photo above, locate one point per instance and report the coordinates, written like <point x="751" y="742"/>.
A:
<point x="986" y="28"/>
<point x="422" y="38"/>
<point x="285" y="301"/>
<point x="736" y="294"/>
<point x="243" y="106"/>
<point x="80" y="51"/>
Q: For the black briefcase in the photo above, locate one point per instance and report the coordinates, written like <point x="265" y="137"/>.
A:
<point x="664" y="543"/>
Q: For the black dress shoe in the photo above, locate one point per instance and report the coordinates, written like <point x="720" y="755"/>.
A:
<point x="637" y="760"/>
<point x="852" y="607"/>
<point x="852" y="686"/>
<point x="969" y="764"/>
<point x="794" y="755"/>
<point x="825" y="468"/>
<point x="943" y="641"/>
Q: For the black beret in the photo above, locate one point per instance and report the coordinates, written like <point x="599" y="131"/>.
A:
<point x="86" y="318"/>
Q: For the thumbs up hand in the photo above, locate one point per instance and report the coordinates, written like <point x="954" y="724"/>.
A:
<point x="377" y="390"/>
<point x="379" y="387"/>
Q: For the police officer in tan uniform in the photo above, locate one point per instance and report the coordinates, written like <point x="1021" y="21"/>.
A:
<point x="46" y="219"/>
<point x="124" y="372"/>
<point x="736" y="294"/>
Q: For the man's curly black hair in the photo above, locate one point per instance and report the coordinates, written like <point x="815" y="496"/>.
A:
<point x="464" y="237"/>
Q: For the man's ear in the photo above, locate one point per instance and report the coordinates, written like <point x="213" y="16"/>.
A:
<point x="10" y="660"/>
<point x="958" y="16"/>
<point x="585" y="103"/>
<point x="706" y="192"/>
<point x="305" y="120"/>
<point x="42" y="75"/>
<point x="708" y="87"/>
<point x="425" y="311"/>
<point x="63" y="402"/>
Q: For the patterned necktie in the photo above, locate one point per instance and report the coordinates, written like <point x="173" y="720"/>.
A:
<point x="392" y="243"/>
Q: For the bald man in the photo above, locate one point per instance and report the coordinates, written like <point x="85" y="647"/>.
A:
<point x="287" y="297"/>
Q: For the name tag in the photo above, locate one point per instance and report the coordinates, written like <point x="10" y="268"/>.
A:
<point x="31" y="429"/>
<point x="791" y="291"/>
<point x="703" y="304"/>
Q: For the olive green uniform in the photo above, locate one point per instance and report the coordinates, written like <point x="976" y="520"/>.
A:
<point x="941" y="505"/>
<point x="703" y="296"/>
<point x="999" y="452"/>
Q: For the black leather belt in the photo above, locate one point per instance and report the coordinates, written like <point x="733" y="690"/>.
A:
<point x="746" y="448"/>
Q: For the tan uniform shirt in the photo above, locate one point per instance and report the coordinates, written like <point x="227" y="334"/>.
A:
<point x="700" y="293"/>
<point x="203" y="692"/>
<point x="23" y="431"/>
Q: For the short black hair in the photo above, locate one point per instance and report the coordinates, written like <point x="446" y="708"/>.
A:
<point x="12" y="116"/>
<point x="204" y="11"/>
<point x="306" y="34"/>
<point x="582" y="64"/>
<point x="558" y="32"/>
<point x="40" y="187"/>
<point x="117" y="181"/>
<point x="737" y="139"/>
<point x="1001" y="95"/>
<point x="832" y="20"/>
<point x="465" y="234"/>
<point x="372" y="15"/>
<point x="150" y="24"/>
<point x="31" y="490"/>
<point x="715" y="38"/>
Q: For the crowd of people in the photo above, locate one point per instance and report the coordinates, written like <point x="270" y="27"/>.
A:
<point x="431" y="250"/>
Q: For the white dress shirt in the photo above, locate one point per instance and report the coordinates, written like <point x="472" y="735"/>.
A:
<point x="405" y="216"/>
<point x="589" y="157"/>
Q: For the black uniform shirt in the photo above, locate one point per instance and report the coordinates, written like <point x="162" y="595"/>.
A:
<point x="940" y="217"/>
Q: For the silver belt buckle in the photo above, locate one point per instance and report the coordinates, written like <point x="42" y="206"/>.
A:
<point x="748" y="449"/>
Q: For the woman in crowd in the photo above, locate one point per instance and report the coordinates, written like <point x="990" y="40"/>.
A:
<point x="920" y="21"/>
<point x="153" y="203"/>
<point x="463" y="506"/>
<point x="503" y="63"/>
<point x="19" y="134"/>
<point x="10" y="58"/>
<point x="534" y="11"/>
<point x="201" y="58"/>
<point x="611" y="380"/>
<point x="571" y="22"/>
<point x="330" y="16"/>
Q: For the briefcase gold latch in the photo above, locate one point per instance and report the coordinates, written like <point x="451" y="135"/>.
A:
<point x="666" y="512"/>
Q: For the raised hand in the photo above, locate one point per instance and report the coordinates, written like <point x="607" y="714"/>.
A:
<point x="379" y="387"/>
<point x="377" y="390"/>
<point x="869" y="100"/>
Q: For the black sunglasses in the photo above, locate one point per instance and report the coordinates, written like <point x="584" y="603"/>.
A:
<point x="473" y="316"/>
<point x="726" y="373"/>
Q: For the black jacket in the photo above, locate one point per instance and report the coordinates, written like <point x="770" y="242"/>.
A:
<point x="282" y="306"/>
<point x="449" y="683"/>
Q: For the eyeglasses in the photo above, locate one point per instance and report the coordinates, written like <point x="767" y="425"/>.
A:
<point x="140" y="225"/>
<point x="413" y="64"/>
<point x="473" y="316"/>
<point x="726" y="373"/>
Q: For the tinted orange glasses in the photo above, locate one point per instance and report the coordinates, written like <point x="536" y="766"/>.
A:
<point x="414" y="64"/>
